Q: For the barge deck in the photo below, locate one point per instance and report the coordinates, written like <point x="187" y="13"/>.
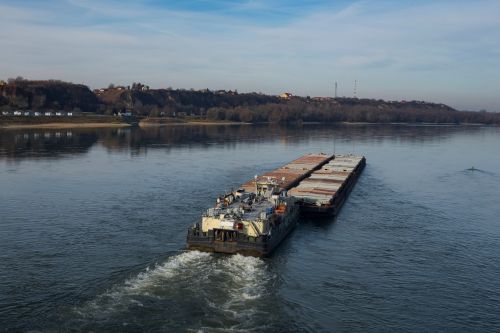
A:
<point x="326" y="189"/>
<point x="290" y="174"/>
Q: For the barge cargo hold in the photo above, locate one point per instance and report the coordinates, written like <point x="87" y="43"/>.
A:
<point x="255" y="219"/>
<point x="325" y="191"/>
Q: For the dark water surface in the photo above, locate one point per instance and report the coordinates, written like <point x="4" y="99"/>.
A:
<point x="93" y="225"/>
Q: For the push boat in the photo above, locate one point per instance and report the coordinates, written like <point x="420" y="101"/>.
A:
<point x="254" y="219"/>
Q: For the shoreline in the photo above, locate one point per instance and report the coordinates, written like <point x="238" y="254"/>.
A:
<point x="65" y="125"/>
<point x="146" y="124"/>
<point x="167" y="121"/>
<point x="189" y="123"/>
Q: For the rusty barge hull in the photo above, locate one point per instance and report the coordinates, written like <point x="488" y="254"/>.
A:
<point x="326" y="189"/>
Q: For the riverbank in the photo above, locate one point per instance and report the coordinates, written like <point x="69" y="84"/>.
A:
<point x="66" y="125"/>
<point x="142" y="124"/>
<point x="98" y="121"/>
<point x="165" y="121"/>
<point x="86" y="121"/>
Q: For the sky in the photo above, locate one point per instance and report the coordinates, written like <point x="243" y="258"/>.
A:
<point x="444" y="51"/>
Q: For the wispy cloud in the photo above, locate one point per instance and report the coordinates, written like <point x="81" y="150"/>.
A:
<point x="444" y="50"/>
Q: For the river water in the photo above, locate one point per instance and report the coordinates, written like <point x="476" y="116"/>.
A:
<point x="93" y="226"/>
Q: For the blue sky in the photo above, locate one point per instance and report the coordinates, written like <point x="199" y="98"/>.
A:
<point x="442" y="51"/>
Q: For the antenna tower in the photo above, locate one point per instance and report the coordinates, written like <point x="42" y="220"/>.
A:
<point x="335" y="89"/>
<point x="355" y="88"/>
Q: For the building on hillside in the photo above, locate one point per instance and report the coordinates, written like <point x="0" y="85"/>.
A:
<point x="126" y="113"/>
<point x="285" y="95"/>
<point x="3" y="83"/>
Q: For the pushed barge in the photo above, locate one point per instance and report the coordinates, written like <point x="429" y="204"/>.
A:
<point x="254" y="219"/>
<point x="324" y="192"/>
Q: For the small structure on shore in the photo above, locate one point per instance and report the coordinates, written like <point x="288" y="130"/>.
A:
<point x="286" y="95"/>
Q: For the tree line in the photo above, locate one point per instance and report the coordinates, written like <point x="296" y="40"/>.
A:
<point x="327" y="112"/>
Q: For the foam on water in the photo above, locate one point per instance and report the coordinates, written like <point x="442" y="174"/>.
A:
<point x="242" y="284"/>
<point x="150" y="283"/>
<point x="249" y="276"/>
<point x="230" y="290"/>
<point x="172" y="268"/>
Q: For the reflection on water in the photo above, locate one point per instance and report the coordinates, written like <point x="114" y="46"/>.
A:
<point x="44" y="143"/>
<point x="36" y="143"/>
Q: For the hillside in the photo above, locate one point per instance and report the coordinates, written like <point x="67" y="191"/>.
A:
<point x="224" y="105"/>
<point x="47" y="95"/>
<point x="167" y="102"/>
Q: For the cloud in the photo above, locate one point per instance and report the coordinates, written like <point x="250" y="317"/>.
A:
<point x="416" y="50"/>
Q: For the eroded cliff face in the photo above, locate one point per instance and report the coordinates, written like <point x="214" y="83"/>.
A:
<point x="48" y="95"/>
